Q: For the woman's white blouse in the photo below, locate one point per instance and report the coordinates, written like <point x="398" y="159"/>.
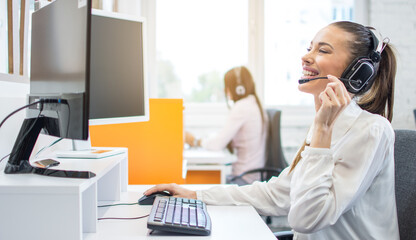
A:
<point x="244" y="127"/>
<point x="345" y="192"/>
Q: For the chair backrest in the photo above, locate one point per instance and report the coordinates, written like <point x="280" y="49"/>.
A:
<point x="414" y="113"/>
<point x="274" y="151"/>
<point x="405" y="182"/>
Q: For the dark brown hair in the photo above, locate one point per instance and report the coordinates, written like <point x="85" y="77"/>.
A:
<point x="379" y="98"/>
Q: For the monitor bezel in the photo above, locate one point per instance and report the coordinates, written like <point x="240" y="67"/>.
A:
<point x="130" y="119"/>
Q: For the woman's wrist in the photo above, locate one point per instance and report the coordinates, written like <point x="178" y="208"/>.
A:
<point x="321" y="137"/>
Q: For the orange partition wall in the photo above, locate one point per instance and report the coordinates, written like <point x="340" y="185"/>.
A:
<point x="155" y="147"/>
<point x="203" y="177"/>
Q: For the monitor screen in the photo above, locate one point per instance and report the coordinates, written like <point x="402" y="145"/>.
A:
<point x="118" y="80"/>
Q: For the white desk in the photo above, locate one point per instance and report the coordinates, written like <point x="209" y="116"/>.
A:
<point x="50" y="208"/>
<point x="205" y="160"/>
<point x="228" y="222"/>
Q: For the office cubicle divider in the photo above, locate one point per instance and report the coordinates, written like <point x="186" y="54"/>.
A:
<point x="155" y="148"/>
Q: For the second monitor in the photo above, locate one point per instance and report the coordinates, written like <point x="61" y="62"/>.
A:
<point x="118" y="79"/>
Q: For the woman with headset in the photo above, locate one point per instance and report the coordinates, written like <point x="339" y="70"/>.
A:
<point x="341" y="183"/>
<point x="245" y="129"/>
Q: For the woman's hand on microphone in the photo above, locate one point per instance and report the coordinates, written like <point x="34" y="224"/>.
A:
<point x="334" y="99"/>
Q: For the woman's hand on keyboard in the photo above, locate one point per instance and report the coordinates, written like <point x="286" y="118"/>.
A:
<point x="174" y="189"/>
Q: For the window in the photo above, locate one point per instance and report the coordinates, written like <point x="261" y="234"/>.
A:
<point x="289" y="28"/>
<point x="14" y="39"/>
<point x="197" y="41"/>
<point x="3" y="38"/>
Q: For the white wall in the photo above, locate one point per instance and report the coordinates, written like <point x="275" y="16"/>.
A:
<point x="130" y="7"/>
<point x="12" y="96"/>
<point x="397" y="20"/>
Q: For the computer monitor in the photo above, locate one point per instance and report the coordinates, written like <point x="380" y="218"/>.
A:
<point x="86" y="70"/>
<point x="59" y="82"/>
<point x="118" y="79"/>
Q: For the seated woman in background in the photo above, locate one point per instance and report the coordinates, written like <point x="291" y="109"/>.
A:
<point x="341" y="183"/>
<point x="245" y="129"/>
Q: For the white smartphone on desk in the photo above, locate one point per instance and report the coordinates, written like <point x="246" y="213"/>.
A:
<point x="46" y="163"/>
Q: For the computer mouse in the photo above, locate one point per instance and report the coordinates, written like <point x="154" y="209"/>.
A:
<point x="148" y="200"/>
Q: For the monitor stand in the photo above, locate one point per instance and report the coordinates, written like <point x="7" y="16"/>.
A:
<point x="81" y="145"/>
<point x="19" y="158"/>
<point x="83" y="149"/>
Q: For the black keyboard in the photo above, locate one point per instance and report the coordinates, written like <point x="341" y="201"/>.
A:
<point x="179" y="215"/>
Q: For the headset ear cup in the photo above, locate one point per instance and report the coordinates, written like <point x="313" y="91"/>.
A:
<point x="359" y="74"/>
<point x="240" y="90"/>
<point x="348" y="71"/>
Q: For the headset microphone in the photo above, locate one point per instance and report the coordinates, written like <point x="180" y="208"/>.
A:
<point x="344" y="80"/>
<point x="305" y="80"/>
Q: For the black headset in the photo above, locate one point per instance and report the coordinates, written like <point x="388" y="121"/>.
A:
<point x="360" y="74"/>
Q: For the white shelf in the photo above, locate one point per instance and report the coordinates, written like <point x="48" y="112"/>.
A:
<point x="41" y="207"/>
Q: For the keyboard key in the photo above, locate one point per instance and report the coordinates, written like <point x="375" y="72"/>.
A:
<point x="192" y="216"/>
<point x="177" y="215"/>
<point x="200" y="218"/>
<point x="158" y="217"/>
<point x="169" y="213"/>
<point x="185" y="215"/>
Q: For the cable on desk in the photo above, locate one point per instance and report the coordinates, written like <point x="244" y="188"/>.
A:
<point x="46" y="147"/>
<point x="19" y="144"/>
<point x="117" y="204"/>
<point x="17" y="110"/>
<point x="116" y="218"/>
<point x="41" y="102"/>
<point x="4" y="157"/>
